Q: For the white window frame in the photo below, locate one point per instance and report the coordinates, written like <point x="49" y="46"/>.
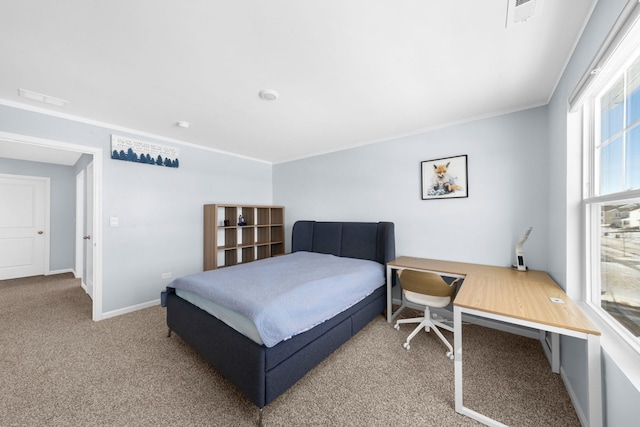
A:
<point x="606" y="75"/>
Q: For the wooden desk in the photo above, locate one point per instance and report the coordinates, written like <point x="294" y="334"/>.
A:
<point x="516" y="297"/>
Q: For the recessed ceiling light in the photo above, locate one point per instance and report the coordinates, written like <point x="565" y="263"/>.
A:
<point x="183" y="124"/>
<point x="35" y="96"/>
<point x="269" y="94"/>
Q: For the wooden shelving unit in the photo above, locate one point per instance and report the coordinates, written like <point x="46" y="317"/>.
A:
<point x="226" y="245"/>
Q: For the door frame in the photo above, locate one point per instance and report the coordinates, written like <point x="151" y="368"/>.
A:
<point x="97" y="313"/>
<point x="89" y="226"/>
<point x="79" y="263"/>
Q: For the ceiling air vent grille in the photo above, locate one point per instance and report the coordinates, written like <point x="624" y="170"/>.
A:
<point x="521" y="10"/>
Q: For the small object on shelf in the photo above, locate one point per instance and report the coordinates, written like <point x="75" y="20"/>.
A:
<point x="226" y="223"/>
<point x="241" y="221"/>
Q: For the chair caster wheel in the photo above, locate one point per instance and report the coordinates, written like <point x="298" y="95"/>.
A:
<point x="450" y="355"/>
<point x="406" y="346"/>
<point x="396" y="326"/>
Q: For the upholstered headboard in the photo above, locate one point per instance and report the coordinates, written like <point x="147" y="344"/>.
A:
<point x="364" y="240"/>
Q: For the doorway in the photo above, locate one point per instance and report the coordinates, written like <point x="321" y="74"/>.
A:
<point x="95" y="270"/>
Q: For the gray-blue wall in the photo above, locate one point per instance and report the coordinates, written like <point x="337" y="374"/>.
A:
<point x="507" y="189"/>
<point x="63" y="211"/>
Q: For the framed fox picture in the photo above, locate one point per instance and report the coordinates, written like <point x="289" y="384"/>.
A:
<point x="444" y="178"/>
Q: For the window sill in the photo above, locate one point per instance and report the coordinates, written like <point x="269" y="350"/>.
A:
<point x="623" y="354"/>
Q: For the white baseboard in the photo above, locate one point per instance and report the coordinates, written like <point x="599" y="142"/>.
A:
<point x="64" y="270"/>
<point x="579" y="412"/>
<point x="130" y="309"/>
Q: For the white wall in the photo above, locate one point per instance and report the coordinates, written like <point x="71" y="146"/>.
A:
<point x="508" y="185"/>
<point x="159" y="209"/>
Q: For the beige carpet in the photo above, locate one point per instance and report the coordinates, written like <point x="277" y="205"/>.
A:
<point x="59" y="368"/>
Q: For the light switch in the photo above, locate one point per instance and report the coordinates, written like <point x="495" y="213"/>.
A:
<point x="113" y="221"/>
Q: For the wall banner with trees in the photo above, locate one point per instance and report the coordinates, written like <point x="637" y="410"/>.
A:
<point x="133" y="150"/>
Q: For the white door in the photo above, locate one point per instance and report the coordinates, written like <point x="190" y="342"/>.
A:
<point x="23" y="226"/>
<point x="88" y="277"/>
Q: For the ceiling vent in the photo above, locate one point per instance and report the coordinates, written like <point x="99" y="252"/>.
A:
<point x="40" y="97"/>
<point x="519" y="11"/>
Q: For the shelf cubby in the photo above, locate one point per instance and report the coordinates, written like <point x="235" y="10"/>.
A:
<point x="227" y="243"/>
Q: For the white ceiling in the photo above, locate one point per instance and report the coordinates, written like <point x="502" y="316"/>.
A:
<point x="349" y="72"/>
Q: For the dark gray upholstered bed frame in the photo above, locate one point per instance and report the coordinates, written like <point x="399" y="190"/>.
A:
<point x="263" y="373"/>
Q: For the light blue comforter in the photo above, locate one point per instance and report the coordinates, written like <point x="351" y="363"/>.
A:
<point x="289" y="294"/>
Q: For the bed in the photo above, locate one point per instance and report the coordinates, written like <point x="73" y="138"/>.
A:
<point x="264" y="372"/>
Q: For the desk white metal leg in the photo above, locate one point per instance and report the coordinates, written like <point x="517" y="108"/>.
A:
<point x="594" y="368"/>
<point x="457" y="350"/>
<point x="390" y="314"/>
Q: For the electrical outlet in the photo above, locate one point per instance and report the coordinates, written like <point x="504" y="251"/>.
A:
<point x="166" y="276"/>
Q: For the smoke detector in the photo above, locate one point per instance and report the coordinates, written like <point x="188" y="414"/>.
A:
<point x="519" y="11"/>
<point x="268" y="94"/>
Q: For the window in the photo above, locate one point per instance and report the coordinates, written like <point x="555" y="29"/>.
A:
<point x="616" y="275"/>
<point x="612" y="189"/>
<point x="617" y="136"/>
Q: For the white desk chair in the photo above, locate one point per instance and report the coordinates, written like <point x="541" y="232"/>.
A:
<point x="430" y="290"/>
